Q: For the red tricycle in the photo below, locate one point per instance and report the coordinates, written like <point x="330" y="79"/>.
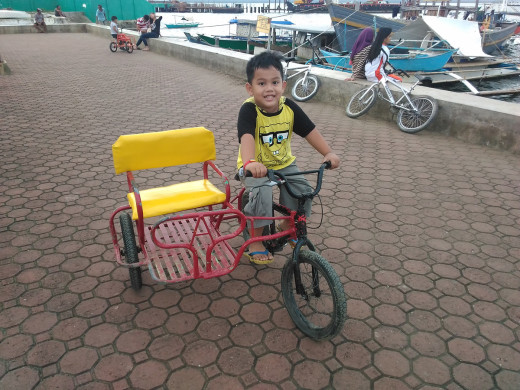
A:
<point x="123" y="42"/>
<point x="192" y="241"/>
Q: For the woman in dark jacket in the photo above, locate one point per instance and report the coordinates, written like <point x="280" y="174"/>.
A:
<point x="155" y="26"/>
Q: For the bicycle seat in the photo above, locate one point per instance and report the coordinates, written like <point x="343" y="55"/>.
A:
<point x="289" y="59"/>
<point x="167" y="149"/>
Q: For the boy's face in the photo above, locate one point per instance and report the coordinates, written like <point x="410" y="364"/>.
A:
<point x="267" y="88"/>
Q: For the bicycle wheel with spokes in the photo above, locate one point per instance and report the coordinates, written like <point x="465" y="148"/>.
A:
<point x="113" y="47"/>
<point x="361" y="102"/>
<point x="305" y="88"/>
<point x="412" y="121"/>
<point x="319" y="310"/>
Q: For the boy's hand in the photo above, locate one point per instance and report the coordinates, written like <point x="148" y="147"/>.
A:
<point x="332" y="157"/>
<point x="257" y="169"/>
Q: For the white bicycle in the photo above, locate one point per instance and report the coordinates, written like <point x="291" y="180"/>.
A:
<point x="414" y="113"/>
<point x="306" y="86"/>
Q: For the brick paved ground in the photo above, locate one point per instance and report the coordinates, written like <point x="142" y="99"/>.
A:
<point x="423" y="230"/>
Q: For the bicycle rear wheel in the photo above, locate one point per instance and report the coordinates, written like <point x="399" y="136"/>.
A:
<point x="305" y="88"/>
<point x="130" y="250"/>
<point x="320" y="310"/>
<point x="412" y="121"/>
<point x="361" y="102"/>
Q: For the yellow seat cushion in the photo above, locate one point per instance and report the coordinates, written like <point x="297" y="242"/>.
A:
<point x="177" y="197"/>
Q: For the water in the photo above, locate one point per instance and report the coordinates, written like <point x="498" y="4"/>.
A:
<point x="218" y="24"/>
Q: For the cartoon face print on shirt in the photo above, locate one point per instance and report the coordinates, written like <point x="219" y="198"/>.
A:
<point x="274" y="144"/>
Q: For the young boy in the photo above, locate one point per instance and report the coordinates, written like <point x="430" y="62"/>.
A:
<point x="266" y="123"/>
<point x="113" y="28"/>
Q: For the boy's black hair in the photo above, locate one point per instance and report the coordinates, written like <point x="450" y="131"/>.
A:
<point x="114" y="18"/>
<point x="146" y="17"/>
<point x="264" y="60"/>
<point x="375" y="49"/>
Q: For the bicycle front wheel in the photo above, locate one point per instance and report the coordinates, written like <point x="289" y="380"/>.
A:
<point x="113" y="47"/>
<point x="412" y="121"/>
<point x="319" y="310"/>
<point x="361" y="102"/>
<point x="305" y="88"/>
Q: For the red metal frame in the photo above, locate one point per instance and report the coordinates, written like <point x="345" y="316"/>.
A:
<point x="184" y="236"/>
<point x="123" y="39"/>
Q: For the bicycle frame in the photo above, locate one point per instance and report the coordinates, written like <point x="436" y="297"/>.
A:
<point x="299" y="69"/>
<point x="389" y="95"/>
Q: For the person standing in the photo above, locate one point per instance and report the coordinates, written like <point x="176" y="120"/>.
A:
<point x="155" y="33"/>
<point x="101" y="17"/>
<point x="39" y="24"/>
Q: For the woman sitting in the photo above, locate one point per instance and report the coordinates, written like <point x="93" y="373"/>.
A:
<point x="155" y="32"/>
<point x="359" y="54"/>
<point x="378" y="57"/>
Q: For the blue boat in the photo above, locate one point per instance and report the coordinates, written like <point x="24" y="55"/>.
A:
<point x="421" y="61"/>
<point x="413" y="61"/>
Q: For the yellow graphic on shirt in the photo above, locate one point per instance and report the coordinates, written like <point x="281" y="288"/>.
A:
<point x="274" y="148"/>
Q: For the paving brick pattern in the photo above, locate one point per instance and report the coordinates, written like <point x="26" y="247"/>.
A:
<point x="423" y="231"/>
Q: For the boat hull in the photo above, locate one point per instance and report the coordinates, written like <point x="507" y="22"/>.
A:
<point x="349" y="23"/>
<point x="415" y="62"/>
<point x="226" y="42"/>
<point x="494" y="39"/>
<point x="183" y="25"/>
<point x="421" y="62"/>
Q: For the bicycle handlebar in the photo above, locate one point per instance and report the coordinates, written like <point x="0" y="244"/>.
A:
<point x="272" y="174"/>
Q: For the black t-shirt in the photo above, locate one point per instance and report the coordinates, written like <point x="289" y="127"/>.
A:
<point x="248" y="115"/>
<point x="156" y="26"/>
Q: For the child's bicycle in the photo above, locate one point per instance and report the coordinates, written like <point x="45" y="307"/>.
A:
<point x="123" y="42"/>
<point x="414" y="113"/>
<point x="195" y="244"/>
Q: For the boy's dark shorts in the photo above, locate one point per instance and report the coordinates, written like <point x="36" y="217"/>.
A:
<point x="114" y="36"/>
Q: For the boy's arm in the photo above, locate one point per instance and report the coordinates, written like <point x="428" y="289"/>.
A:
<point x="247" y="153"/>
<point x="318" y="142"/>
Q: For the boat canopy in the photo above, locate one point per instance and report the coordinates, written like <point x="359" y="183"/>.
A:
<point x="460" y="34"/>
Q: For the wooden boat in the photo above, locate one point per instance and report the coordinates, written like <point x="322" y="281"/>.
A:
<point x="348" y="24"/>
<point x="413" y="61"/>
<point x="182" y="23"/>
<point x="225" y="41"/>
<point x="240" y="43"/>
